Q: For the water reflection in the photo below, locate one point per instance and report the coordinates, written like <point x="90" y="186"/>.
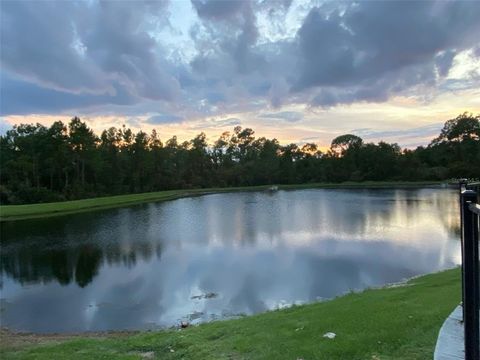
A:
<point x="145" y="266"/>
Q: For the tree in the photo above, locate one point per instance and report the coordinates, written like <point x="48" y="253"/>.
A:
<point x="41" y="164"/>
<point x="200" y="162"/>
<point x="83" y="143"/>
<point x="341" y="144"/>
<point x="463" y="127"/>
<point x="57" y="155"/>
<point x="457" y="149"/>
<point x="139" y="157"/>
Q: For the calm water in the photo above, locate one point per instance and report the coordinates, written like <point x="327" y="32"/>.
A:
<point x="218" y="256"/>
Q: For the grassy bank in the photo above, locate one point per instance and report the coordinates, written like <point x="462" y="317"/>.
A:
<point x="19" y="212"/>
<point x="400" y="322"/>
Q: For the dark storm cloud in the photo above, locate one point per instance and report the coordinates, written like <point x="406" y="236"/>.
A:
<point x="232" y="25"/>
<point x="373" y="38"/>
<point x="367" y="51"/>
<point x="327" y="51"/>
<point x="100" y="49"/>
<point x="351" y="54"/>
<point x="117" y="39"/>
<point x="20" y="97"/>
<point x="218" y="9"/>
<point x="60" y="56"/>
<point x="230" y="59"/>
<point x="36" y="42"/>
<point x="376" y="89"/>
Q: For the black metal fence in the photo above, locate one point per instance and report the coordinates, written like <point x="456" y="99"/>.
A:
<point x="470" y="213"/>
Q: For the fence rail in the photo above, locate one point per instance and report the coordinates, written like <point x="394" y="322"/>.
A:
<point x="470" y="210"/>
<point x="474" y="208"/>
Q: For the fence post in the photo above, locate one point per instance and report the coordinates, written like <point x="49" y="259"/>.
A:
<point x="470" y="275"/>
<point x="462" y="185"/>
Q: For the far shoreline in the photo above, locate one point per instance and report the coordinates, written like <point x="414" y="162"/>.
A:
<point x="43" y="210"/>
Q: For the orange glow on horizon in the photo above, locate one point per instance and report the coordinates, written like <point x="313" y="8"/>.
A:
<point x="317" y="126"/>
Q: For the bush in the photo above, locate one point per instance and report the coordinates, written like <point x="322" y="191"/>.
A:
<point x="6" y="196"/>
<point x="32" y="195"/>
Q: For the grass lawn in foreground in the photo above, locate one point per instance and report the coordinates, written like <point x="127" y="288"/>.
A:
<point x="398" y="322"/>
<point x="19" y="212"/>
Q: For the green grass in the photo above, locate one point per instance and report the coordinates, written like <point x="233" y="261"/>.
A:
<point x="390" y="323"/>
<point x="19" y="212"/>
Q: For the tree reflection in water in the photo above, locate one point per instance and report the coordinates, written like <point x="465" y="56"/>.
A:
<point x="139" y="267"/>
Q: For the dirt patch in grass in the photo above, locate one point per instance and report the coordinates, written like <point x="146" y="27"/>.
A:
<point x="12" y="340"/>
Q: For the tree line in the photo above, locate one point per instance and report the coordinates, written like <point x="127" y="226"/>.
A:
<point x="69" y="161"/>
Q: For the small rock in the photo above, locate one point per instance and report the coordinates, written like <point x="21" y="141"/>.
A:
<point x="184" y="324"/>
<point x="329" y="335"/>
<point x="148" y="355"/>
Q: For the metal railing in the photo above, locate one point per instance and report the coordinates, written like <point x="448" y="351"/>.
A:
<point x="470" y="212"/>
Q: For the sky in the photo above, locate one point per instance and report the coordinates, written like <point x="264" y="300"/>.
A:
<point x="300" y="71"/>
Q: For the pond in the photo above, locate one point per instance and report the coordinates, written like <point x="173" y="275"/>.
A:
<point x="218" y="256"/>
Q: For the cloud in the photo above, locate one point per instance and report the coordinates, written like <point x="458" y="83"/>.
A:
<point x="226" y="122"/>
<point x="98" y="48"/>
<point x="444" y="61"/>
<point x="372" y="50"/>
<point x="427" y="130"/>
<point x="134" y="122"/>
<point x="407" y="137"/>
<point x="217" y="123"/>
<point x="20" y="97"/>
<point x="117" y="57"/>
<point x="117" y="38"/>
<point x="232" y="25"/>
<point x="41" y="50"/>
<point x="218" y="9"/>
<point x="164" y="119"/>
<point x="342" y="54"/>
<point x="290" y="116"/>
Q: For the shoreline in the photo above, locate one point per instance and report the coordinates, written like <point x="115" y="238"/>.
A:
<point x="10" y="213"/>
<point x="108" y="333"/>
<point x="374" y="322"/>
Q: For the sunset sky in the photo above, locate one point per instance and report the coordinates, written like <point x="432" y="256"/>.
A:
<point x="300" y="71"/>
